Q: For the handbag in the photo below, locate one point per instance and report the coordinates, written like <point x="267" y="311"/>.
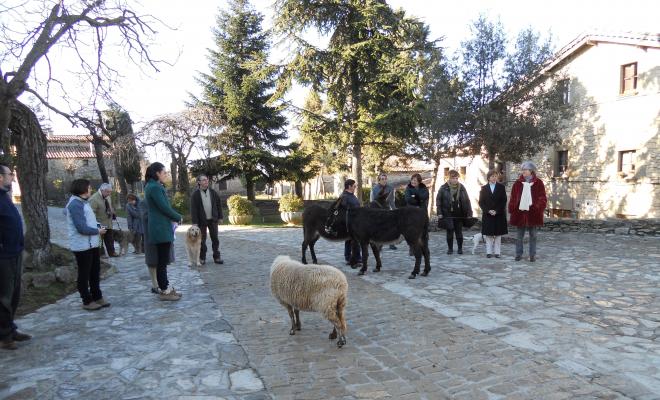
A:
<point x="442" y="223"/>
<point x="469" y="222"/>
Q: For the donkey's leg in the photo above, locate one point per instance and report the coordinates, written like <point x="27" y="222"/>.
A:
<point x="375" y="249"/>
<point x="364" y="246"/>
<point x="427" y="259"/>
<point x="311" y="248"/>
<point x="297" y="315"/>
<point x="304" y="251"/>
<point x="417" y="251"/>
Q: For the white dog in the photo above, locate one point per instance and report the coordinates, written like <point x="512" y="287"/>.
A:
<point x="193" y="246"/>
<point x="476" y="239"/>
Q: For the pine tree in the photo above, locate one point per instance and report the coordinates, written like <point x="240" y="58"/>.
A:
<point x="238" y="90"/>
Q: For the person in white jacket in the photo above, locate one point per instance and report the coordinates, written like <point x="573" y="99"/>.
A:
<point x="84" y="240"/>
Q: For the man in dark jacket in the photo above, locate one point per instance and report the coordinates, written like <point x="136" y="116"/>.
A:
<point x="348" y="200"/>
<point x="206" y="211"/>
<point x="11" y="249"/>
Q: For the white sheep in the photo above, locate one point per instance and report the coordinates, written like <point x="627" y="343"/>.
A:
<point x="322" y="288"/>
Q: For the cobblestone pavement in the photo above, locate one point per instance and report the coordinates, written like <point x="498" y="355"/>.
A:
<point x="139" y="348"/>
<point x="581" y="322"/>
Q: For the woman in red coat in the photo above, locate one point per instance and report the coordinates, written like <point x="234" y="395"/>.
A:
<point x="526" y="207"/>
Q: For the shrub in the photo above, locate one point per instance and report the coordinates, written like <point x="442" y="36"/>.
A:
<point x="180" y="204"/>
<point x="400" y="198"/>
<point x="291" y="203"/>
<point x="366" y="193"/>
<point x="240" y="206"/>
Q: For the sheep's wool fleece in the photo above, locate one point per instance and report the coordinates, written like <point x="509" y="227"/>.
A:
<point x="306" y="287"/>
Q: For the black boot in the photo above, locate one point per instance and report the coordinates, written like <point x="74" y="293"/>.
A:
<point x="450" y="245"/>
<point x="459" y="242"/>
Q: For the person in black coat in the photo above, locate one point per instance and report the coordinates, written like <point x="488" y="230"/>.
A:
<point x="453" y="207"/>
<point x="348" y="201"/>
<point x="206" y="212"/>
<point x="492" y="201"/>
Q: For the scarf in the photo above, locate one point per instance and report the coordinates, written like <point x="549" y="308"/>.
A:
<point x="526" y="197"/>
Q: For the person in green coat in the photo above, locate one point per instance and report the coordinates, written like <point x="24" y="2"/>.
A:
<point x="160" y="218"/>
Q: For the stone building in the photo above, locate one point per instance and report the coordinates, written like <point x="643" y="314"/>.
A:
<point x="607" y="165"/>
<point x="71" y="157"/>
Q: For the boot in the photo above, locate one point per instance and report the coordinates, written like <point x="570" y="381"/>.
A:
<point x="459" y="242"/>
<point x="450" y="245"/>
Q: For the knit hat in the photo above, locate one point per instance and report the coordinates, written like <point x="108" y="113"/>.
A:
<point x="528" y="165"/>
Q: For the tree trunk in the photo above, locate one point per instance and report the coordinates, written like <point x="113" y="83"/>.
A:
<point x="100" y="161"/>
<point x="249" y="186"/>
<point x="356" y="169"/>
<point x="123" y="187"/>
<point x="173" y="172"/>
<point x="298" y="187"/>
<point x="182" y="170"/>
<point x="31" y="168"/>
<point x="491" y="159"/>
<point x="5" y="137"/>
<point x="434" y="181"/>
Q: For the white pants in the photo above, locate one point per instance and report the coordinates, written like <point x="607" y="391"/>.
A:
<point x="493" y="244"/>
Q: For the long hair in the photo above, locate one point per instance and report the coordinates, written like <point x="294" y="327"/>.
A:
<point x="152" y="170"/>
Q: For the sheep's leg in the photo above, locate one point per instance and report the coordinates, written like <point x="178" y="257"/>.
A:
<point x="376" y="250"/>
<point x="333" y="334"/>
<point x="336" y="317"/>
<point x="293" y="321"/>
<point x="297" y="314"/>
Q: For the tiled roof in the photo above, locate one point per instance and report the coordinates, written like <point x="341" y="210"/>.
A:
<point x="69" y="138"/>
<point x="589" y="38"/>
<point x="57" y="152"/>
<point x="395" y="164"/>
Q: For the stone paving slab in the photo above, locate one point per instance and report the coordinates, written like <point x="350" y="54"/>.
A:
<point x="140" y="348"/>
<point x="579" y="323"/>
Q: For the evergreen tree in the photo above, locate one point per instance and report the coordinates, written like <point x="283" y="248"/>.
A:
<point x="238" y="90"/>
<point x="368" y="72"/>
<point x="514" y="110"/>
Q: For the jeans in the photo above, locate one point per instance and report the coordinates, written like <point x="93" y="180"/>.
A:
<point x="215" y="243"/>
<point x="89" y="274"/>
<point x="532" y="240"/>
<point x="347" y="251"/>
<point x="10" y="293"/>
<point x="163" y="252"/>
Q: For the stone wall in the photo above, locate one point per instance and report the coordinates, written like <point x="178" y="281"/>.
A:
<point x="639" y="227"/>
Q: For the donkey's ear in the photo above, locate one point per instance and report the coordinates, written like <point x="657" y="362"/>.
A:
<point x="336" y="204"/>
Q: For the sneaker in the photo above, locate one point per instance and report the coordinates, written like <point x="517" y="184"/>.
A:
<point x="202" y="261"/>
<point x="518" y="258"/>
<point x="169" y="295"/>
<point x="532" y="258"/>
<point x="218" y="261"/>
<point x="92" y="306"/>
<point x="102" y="302"/>
<point x="497" y="256"/>
<point x="8" y="344"/>
<point x="21" y="337"/>
<point x="489" y="255"/>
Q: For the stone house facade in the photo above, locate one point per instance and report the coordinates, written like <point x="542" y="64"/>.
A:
<point x="607" y="165"/>
<point x="71" y="157"/>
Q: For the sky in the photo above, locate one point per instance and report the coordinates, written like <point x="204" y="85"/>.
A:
<point x="147" y="94"/>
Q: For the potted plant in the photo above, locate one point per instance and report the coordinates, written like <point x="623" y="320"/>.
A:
<point x="241" y="210"/>
<point x="291" y="207"/>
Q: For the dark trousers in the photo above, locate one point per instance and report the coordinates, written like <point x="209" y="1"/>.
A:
<point x="109" y="242"/>
<point x="215" y="243"/>
<point x="89" y="274"/>
<point x="10" y="293"/>
<point x="347" y="251"/>
<point x="163" y="252"/>
<point x="458" y="232"/>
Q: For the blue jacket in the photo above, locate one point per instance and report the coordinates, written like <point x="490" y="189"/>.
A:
<point x="81" y="224"/>
<point x="11" y="228"/>
<point x="134" y="218"/>
<point x="348" y="200"/>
